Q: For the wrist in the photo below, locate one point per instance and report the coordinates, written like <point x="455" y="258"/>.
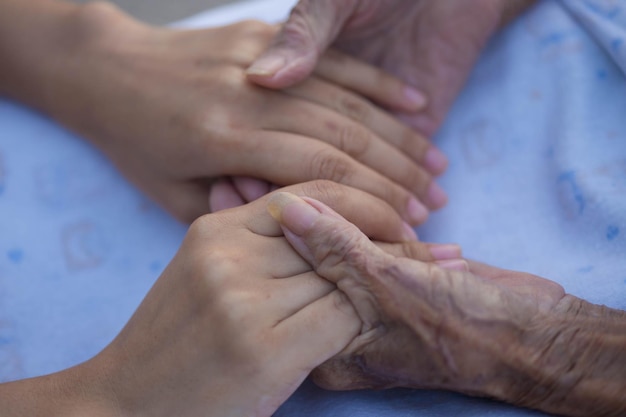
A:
<point x="570" y="360"/>
<point x="32" y="40"/>
<point x="511" y="9"/>
<point x="47" y="49"/>
<point x="74" y="392"/>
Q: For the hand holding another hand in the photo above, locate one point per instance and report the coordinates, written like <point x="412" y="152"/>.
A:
<point x="176" y="114"/>
<point x="483" y="331"/>
<point x="430" y="44"/>
<point x="231" y="328"/>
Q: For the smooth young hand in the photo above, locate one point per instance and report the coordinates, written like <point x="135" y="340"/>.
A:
<point x="231" y="328"/>
<point x="174" y="111"/>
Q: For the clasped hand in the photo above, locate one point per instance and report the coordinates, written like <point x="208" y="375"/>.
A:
<point x="176" y="114"/>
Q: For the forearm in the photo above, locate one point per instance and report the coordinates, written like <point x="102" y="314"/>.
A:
<point x="572" y="362"/>
<point x="35" y="39"/>
<point x="70" y="393"/>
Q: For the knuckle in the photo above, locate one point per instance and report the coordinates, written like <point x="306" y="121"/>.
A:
<point x="414" y="144"/>
<point x="329" y="164"/>
<point x="415" y="250"/>
<point x="297" y="29"/>
<point x="353" y="107"/>
<point x="353" y="140"/>
<point x="341" y="245"/>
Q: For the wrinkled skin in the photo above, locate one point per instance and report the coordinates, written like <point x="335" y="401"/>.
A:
<point x="487" y="331"/>
<point x="431" y="44"/>
<point x="175" y="113"/>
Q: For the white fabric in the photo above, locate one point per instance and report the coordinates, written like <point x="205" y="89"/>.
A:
<point x="537" y="182"/>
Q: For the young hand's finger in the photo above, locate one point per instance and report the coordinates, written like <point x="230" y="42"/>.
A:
<point x="314" y="121"/>
<point x="316" y="333"/>
<point x="420" y="251"/>
<point x="284" y="158"/>
<point x="224" y="195"/>
<point x="360" y="110"/>
<point x="250" y="188"/>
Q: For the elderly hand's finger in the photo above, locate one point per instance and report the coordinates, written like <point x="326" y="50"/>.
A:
<point x="370" y="81"/>
<point x="294" y="52"/>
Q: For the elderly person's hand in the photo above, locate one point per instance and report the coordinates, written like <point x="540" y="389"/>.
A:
<point x="231" y="328"/>
<point x="431" y="44"/>
<point x="489" y="332"/>
<point x="174" y="111"/>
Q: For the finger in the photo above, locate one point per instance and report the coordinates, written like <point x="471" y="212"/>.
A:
<point x="185" y="201"/>
<point x="320" y="235"/>
<point x="284" y="158"/>
<point x="454" y="264"/>
<point x="425" y="252"/>
<point x="295" y="50"/>
<point x="370" y="81"/>
<point x="224" y="195"/>
<point x="353" y="106"/>
<point x="373" y="216"/>
<point x="291" y="294"/>
<point x="316" y="333"/>
<point x="360" y="143"/>
<point x="339" y="252"/>
<point x="250" y="188"/>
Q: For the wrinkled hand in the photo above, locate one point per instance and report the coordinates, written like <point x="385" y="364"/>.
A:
<point x="238" y="319"/>
<point x="422" y="326"/>
<point x="431" y="44"/>
<point x="175" y="113"/>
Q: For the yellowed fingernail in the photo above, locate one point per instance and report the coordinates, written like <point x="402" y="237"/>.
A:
<point x="276" y="204"/>
<point x="292" y="212"/>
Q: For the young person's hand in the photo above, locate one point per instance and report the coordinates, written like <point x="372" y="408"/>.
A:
<point x="231" y="328"/>
<point x="174" y="111"/>
<point x="430" y="44"/>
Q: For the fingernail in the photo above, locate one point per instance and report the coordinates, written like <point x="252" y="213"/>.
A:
<point x="435" y="161"/>
<point x="292" y="212"/>
<point x="415" y="99"/>
<point x="444" y="252"/>
<point x="436" y="196"/>
<point x="267" y="65"/>
<point x="454" y="264"/>
<point x="416" y="211"/>
<point x="409" y="233"/>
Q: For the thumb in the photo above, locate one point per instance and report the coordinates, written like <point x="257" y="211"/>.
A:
<point x="294" y="52"/>
<point x="335" y="248"/>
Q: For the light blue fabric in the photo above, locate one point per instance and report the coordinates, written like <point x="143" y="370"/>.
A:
<point x="537" y="182"/>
